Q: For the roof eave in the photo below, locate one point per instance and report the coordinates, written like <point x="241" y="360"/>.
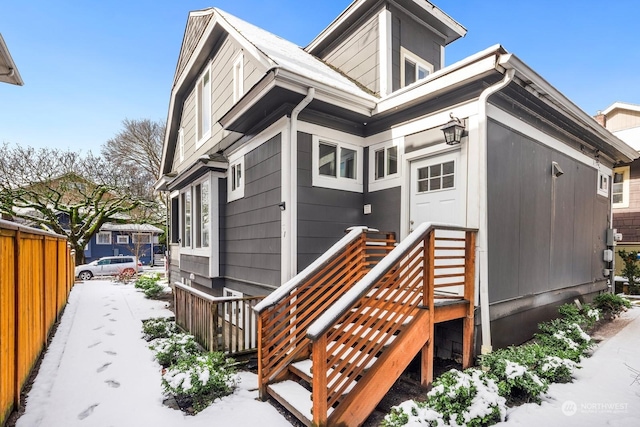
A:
<point x="8" y="71"/>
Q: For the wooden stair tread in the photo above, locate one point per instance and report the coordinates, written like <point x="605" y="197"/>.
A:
<point x="295" y="398"/>
<point x="368" y="311"/>
<point x="303" y="370"/>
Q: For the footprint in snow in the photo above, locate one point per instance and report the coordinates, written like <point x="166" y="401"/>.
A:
<point x="110" y="352"/>
<point x="112" y="383"/>
<point x="98" y="327"/>
<point x="114" y="308"/>
<point x="84" y="414"/>
<point x="103" y="367"/>
<point x="112" y="320"/>
<point x="94" y="344"/>
<point x="107" y="315"/>
<point x="110" y="333"/>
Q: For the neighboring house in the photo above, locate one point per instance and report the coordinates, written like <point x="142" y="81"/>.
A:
<point x="141" y="240"/>
<point x="272" y="151"/>
<point x="8" y="70"/>
<point x="623" y="120"/>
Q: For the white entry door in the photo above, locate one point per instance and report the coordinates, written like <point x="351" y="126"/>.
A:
<point x="438" y="190"/>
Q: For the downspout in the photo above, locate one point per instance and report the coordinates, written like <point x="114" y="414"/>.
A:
<point x="289" y="181"/>
<point x="485" y="318"/>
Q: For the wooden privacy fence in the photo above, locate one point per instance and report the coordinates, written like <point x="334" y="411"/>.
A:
<point x="226" y="324"/>
<point x="36" y="276"/>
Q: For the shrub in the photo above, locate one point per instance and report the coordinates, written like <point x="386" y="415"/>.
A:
<point x="586" y="316"/>
<point x="556" y="370"/>
<point x="611" y="305"/>
<point x="201" y="379"/>
<point x="146" y="281"/>
<point x="153" y="291"/>
<point x="158" y="328"/>
<point x="631" y="270"/>
<point x="468" y="398"/>
<point x="176" y="347"/>
<point x="516" y="380"/>
<point x="566" y="339"/>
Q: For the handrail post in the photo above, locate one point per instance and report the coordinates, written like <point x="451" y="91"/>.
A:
<point x="319" y="394"/>
<point x="469" y="295"/>
<point x="426" y="371"/>
<point x="262" y="386"/>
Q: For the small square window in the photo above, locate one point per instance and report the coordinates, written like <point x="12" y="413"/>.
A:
<point x="122" y="239"/>
<point x="235" y="180"/>
<point x="336" y="165"/>
<point x="413" y="68"/>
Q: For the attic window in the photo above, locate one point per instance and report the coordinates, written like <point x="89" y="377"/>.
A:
<point x="413" y="68"/>
<point x="238" y="78"/>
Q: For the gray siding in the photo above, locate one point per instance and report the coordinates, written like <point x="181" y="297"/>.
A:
<point x="323" y="214"/>
<point x="407" y="33"/>
<point x="194" y="264"/>
<point x="357" y="54"/>
<point x="546" y="236"/>
<point x="385" y="210"/>
<point x="251" y="246"/>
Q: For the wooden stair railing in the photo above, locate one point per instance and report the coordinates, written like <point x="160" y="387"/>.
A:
<point x="285" y="315"/>
<point x="367" y="338"/>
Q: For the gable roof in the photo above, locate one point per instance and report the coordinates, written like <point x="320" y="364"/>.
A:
<point x="8" y="70"/>
<point x="621" y="106"/>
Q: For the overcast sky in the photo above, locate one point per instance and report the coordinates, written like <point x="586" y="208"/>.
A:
<point x="87" y="65"/>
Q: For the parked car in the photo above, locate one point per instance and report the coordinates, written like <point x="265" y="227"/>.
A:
<point x="108" y="266"/>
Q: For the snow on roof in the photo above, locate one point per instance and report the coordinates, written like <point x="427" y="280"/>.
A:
<point x="292" y="57"/>
<point x="138" y="228"/>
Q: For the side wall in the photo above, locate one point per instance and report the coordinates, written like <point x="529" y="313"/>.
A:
<point x="542" y="239"/>
<point x="250" y="246"/>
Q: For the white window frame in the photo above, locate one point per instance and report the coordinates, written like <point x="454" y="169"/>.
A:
<point x="337" y="182"/>
<point x="236" y="175"/>
<point x="122" y="239"/>
<point x="181" y="144"/>
<point x="135" y="237"/>
<point x="407" y="55"/>
<point x="626" y="173"/>
<point x="102" y="234"/>
<point x="201" y="229"/>
<point x="389" y="180"/>
<point x="203" y="98"/>
<point x="184" y="232"/>
<point x="238" y="77"/>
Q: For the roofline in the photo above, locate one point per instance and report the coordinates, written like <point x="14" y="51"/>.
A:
<point x="13" y="75"/>
<point x="355" y="7"/>
<point x="538" y="86"/>
<point x="622" y="106"/>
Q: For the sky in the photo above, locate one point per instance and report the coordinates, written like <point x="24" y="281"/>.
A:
<point x="88" y="65"/>
<point x="97" y="371"/>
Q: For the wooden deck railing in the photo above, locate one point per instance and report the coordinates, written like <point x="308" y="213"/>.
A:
<point x="226" y="324"/>
<point x="433" y="263"/>
<point x="36" y="276"/>
<point x="285" y="314"/>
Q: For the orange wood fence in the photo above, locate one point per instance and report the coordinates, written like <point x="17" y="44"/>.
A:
<point x="36" y="276"/>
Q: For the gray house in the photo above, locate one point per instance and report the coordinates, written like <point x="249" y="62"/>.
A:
<point x="273" y="150"/>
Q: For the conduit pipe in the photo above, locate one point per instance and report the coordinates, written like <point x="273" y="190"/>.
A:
<point x="485" y="318"/>
<point x="289" y="192"/>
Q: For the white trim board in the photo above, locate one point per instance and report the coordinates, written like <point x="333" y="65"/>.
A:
<point x="526" y="129"/>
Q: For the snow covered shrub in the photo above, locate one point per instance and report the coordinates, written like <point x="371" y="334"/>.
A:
<point x="173" y="349"/>
<point x="150" y="286"/>
<point x="611" y="305"/>
<point x="202" y="379"/>
<point x="568" y="340"/>
<point x="468" y="398"/>
<point x="556" y="370"/>
<point x="159" y="327"/>
<point x="517" y="381"/>
<point x="586" y="316"/>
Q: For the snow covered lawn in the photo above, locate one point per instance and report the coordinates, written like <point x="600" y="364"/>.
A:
<point x="98" y="370"/>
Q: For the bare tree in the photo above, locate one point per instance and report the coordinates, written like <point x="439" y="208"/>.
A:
<point x="137" y="147"/>
<point x="65" y="192"/>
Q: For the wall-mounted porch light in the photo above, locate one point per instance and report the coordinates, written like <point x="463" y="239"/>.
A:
<point x="453" y="130"/>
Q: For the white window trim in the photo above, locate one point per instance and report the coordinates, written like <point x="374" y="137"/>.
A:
<point x="407" y="54"/>
<point x="181" y="222"/>
<point x="181" y="143"/>
<point x="626" y="171"/>
<point x="336" y="183"/>
<point x="238" y="192"/>
<point x="122" y="239"/>
<point x="389" y="181"/>
<point x="103" y="233"/>
<point x="238" y="77"/>
<point x="206" y="133"/>
<point x="135" y="236"/>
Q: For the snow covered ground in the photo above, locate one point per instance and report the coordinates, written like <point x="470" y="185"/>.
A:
<point x="98" y="371"/>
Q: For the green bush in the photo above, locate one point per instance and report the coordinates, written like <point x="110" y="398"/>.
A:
<point x="468" y="398"/>
<point x="610" y="304"/>
<point x="158" y="328"/>
<point x="146" y="281"/>
<point x="512" y="369"/>
<point x="169" y="351"/>
<point x="201" y="379"/>
<point x="153" y="291"/>
<point x="586" y="316"/>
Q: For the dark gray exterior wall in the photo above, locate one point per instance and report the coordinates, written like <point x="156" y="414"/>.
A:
<point x="323" y="214"/>
<point x="407" y="33"/>
<point x="250" y="246"/>
<point x="546" y="235"/>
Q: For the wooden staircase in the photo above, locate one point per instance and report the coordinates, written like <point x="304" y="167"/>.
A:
<point x="334" y="339"/>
